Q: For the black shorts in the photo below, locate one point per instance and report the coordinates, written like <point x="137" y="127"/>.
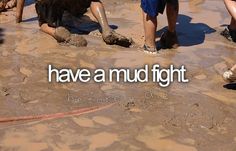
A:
<point x="51" y="11"/>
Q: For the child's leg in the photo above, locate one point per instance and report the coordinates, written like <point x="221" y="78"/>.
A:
<point x="150" y="25"/>
<point x="99" y="13"/>
<point x="109" y="36"/>
<point x="172" y="10"/>
<point x="19" y="10"/>
<point x="234" y="68"/>
<point x="48" y="30"/>
<point x="232" y="24"/>
<point x="231" y="6"/>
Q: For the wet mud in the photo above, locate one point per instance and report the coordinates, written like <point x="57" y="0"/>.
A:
<point x="198" y="116"/>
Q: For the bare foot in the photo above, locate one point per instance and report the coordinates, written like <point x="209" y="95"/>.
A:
<point x="113" y="38"/>
<point x="10" y="4"/>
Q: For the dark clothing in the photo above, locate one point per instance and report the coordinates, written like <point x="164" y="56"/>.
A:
<point x="51" y="11"/>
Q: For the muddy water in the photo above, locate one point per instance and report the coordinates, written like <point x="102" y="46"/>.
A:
<point x="199" y="115"/>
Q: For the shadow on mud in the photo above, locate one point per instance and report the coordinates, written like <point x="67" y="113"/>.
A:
<point x="231" y="86"/>
<point x="189" y="34"/>
<point x="82" y="25"/>
<point x="1" y="36"/>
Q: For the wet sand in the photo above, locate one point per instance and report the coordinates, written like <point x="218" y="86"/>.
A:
<point x="198" y="116"/>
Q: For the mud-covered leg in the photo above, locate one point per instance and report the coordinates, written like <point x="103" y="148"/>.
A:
<point x="19" y="10"/>
<point x="109" y="36"/>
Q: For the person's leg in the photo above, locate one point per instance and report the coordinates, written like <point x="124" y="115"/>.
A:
<point x="19" y="10"/>
<point x="234" y="68"/>
<point x="231" y="7"/>
<point x="150" y="25"/>
<point x="232" y="24"/>
<point x="99" y="13"/>
<point x="172" y="11"/>
<point x="230" y="31"/>
<point x="48" y="30"/>
<point x="169" y="39"/>
<point x="109" y="36"/>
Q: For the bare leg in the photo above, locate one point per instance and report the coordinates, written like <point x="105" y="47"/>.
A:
<point x="232" y="24"/>
<point x="234" y="68"/>
<point x="169" y="39"/>
<point x="19" y="10"/>
<point x="48" y="30"/>
<point x="231" y="6"/>
<point x="150" y="25"/>
<point x="99" y="13"/>
<point x="109" y="36"/>
<point x="172" y="10"/>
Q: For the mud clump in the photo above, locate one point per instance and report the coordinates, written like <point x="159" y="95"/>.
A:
<point x="62" y="35"/>
<point x="4" y="91"/>
<point x="77" y="41"/>
<point x="113" y="38"/>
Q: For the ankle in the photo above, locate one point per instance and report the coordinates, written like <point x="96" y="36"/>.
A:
<point x="149" y="44"/>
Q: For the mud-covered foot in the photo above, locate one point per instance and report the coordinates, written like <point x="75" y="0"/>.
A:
<point x="229" y="34"/>
<point x="113" y="38"/>
<point x="229" y="76"/>
<point x="169" y="40"/>
<point x="149" y="50"/>
<point x="11" y="4"/>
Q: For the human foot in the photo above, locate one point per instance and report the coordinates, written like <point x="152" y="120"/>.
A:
<point x="150" y="50"/>
<point x="229" y="34"/>
<point x="113" y="38"/>
<point x="169" y="40"/>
